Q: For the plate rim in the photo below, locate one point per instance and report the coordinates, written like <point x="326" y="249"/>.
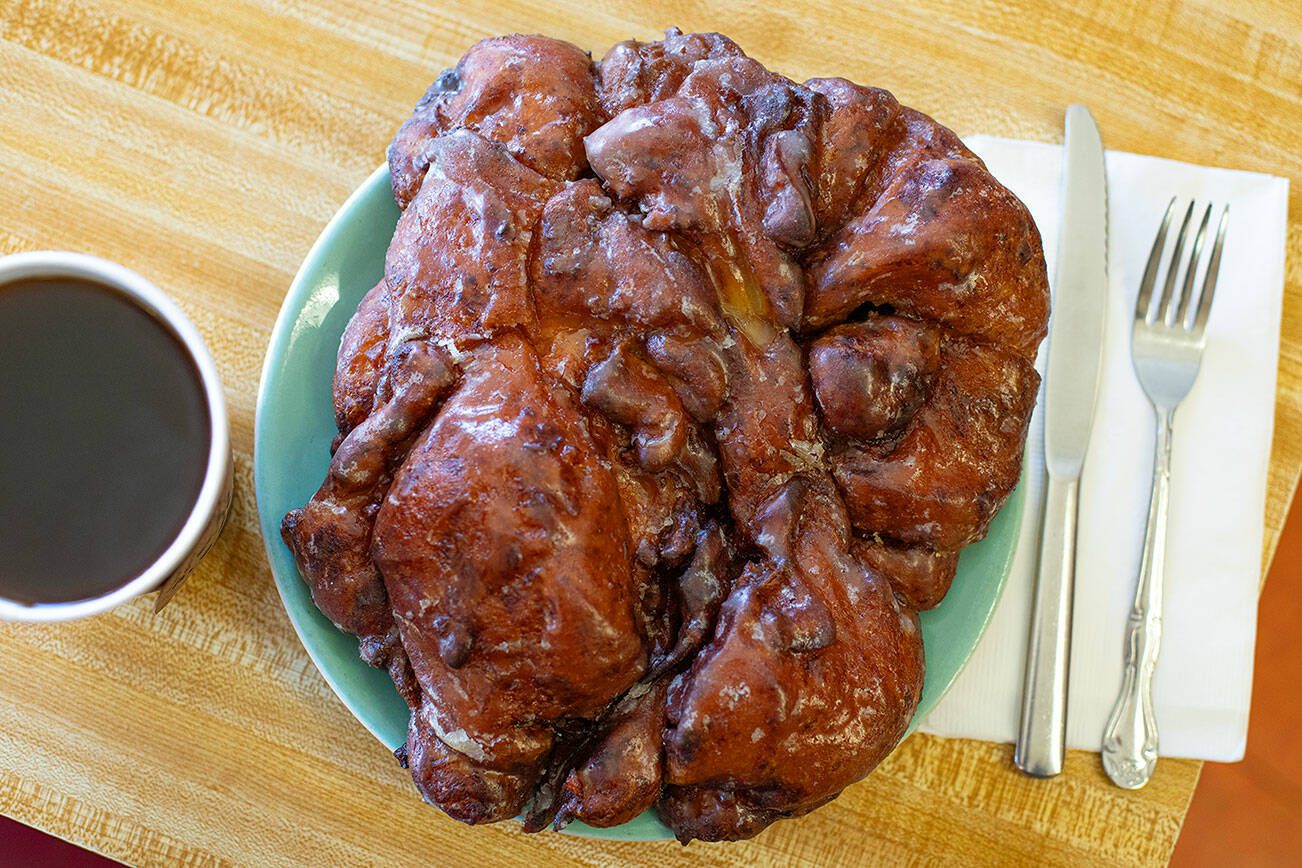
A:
<point x="276" y="346"/>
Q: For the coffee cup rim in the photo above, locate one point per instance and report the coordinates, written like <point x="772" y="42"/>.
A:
<point x="56" y="263"/>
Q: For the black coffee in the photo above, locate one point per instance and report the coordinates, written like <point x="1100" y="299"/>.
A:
<point x="104" y="438"/>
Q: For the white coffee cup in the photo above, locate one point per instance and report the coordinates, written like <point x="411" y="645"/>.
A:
<point x="208" y="514"/>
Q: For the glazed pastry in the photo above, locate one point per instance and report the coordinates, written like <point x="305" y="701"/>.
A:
<point x="684" y="387"/>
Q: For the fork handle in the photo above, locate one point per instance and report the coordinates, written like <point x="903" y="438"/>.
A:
<point x="1130" y="740"/>
<point x="1042" y="734"/>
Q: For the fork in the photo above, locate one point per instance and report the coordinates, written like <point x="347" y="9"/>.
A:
<point x="1166" y="347"/>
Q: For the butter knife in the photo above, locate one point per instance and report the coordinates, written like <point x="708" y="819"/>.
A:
<point x="1071" y="387"/>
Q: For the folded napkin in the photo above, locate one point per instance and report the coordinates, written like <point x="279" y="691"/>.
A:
<point x="1218" y="485"/>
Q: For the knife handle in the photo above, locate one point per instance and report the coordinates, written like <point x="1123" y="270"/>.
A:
<point x="1041" y="737"/>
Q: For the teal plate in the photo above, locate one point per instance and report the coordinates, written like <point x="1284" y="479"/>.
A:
<point x="295" y="424"/>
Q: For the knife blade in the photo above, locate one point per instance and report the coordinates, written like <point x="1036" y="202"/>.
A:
<point x="1071" y="390"/>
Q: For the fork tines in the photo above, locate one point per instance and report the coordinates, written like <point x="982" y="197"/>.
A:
<point x="1169" y="309"/>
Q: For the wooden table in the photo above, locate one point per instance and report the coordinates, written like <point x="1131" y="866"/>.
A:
<point x="206" y="143"/>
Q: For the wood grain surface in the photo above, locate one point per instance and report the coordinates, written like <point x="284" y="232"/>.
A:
<point x="205" y="144"/>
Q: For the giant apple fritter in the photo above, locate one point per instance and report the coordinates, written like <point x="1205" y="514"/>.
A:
<point x="683" y="387"/>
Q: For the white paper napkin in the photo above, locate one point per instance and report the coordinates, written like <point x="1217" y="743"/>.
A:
<point x="1221" y="449"/>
